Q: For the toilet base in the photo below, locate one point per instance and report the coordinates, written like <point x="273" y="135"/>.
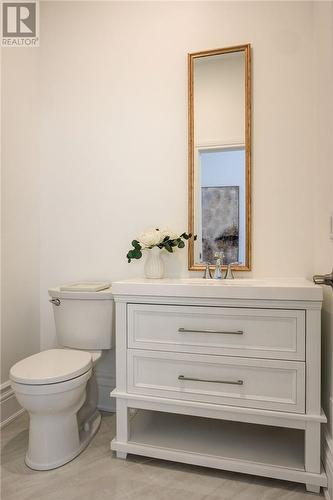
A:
<point x="86" y="433"/>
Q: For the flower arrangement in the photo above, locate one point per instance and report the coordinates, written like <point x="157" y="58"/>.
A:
<point x="161" y="238"/>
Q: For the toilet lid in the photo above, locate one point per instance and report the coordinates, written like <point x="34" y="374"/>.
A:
<point x="50" y="367"/>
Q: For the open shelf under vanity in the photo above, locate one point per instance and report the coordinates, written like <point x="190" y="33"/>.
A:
<point x="277" y="446"/>
<point x="236" y="446"/>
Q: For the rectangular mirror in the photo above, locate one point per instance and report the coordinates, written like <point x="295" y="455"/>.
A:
<point x="220" y="156"/>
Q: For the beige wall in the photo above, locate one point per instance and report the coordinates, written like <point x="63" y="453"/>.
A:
<point x="323" y="185"/>
<point x="20" y="208"/>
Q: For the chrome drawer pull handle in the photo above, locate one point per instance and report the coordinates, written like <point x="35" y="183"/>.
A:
<point x="226" y="332"/>
<point x="231" y="382"/>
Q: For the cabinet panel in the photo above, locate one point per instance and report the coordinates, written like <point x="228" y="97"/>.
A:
<point x="253" y="383"/>
<point x="259" y="333"/>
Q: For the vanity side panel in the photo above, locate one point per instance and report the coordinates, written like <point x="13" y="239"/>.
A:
<point x="313" y="361"/>
<point x="121" y="345"/>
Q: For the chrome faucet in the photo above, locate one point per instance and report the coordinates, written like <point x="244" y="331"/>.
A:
<point x="229" y="275"/>
<point x="207" y="274"/>
<point x="218" y="257"/>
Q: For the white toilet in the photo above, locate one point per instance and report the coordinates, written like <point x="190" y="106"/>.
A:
<point x="58" y="386"/>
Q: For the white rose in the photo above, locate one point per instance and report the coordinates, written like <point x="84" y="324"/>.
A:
<point x="166" y="231"/>
<point x="150" y="238"/>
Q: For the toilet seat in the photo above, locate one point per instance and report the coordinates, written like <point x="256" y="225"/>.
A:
<point x="42" y="390"/>
<point x="51" y="367"/>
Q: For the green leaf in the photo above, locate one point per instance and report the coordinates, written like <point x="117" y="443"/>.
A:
<point x="181" y="244"/>
<point x="136" y="244"/>
<point x="134" y="254"/>
<point x="168" y="247"/>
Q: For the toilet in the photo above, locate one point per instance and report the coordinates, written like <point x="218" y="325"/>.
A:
<point x="58" y="386"/>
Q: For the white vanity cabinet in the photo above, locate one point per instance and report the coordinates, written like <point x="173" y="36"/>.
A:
<point x="222" y="374"/>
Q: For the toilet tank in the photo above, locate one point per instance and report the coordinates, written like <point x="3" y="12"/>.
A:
<point x="83" y="320"/>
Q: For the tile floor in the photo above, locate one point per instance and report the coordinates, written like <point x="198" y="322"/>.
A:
<point x="97" y="475"/>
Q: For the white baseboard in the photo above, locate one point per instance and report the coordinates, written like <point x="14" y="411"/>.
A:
<point x="328" y="464"/>
<point x="9" y="407"/>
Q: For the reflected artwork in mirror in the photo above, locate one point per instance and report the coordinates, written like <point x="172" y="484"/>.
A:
<point x="220" y="156"/>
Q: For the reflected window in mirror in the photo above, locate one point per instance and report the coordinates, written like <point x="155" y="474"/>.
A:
<point x="221" y="220"/>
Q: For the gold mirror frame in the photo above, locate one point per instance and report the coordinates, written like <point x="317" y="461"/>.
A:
<point x="246" y="48"/>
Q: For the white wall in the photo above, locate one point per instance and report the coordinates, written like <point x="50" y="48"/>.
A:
<point x="20" y="208"/>
<point x="20" y="306"/>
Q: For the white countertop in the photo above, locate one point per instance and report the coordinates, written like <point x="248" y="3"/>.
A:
<point x="270" y="289"/>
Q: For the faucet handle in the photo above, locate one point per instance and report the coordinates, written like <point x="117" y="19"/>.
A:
<point x="207" y="273"/>
<point x="229" y="275"/>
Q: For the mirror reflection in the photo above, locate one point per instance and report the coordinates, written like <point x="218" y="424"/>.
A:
<point x="219" y="156"/>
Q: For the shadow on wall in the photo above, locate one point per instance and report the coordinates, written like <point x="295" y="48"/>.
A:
<point x="327" y="357"/>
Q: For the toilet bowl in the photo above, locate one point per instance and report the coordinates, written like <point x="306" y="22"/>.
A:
<point x="58" y="387"/>
<point x="51" y="386"/>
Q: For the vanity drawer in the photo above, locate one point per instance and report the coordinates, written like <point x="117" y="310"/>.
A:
<point x="259" y="333"/>
<point x="252" y="383"/>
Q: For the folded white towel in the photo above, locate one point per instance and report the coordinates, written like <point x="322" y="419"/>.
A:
<point x="86" y="286"/>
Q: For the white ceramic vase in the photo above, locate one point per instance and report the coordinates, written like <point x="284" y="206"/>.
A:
<point x="154" y="265"/>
